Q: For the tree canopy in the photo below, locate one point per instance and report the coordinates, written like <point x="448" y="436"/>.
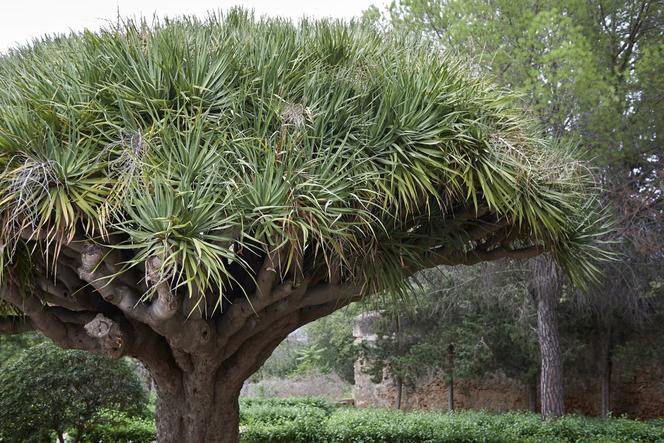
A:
<point x="185" y="138"/>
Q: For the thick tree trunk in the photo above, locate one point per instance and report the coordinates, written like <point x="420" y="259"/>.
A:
<point x="545" y="288"/>
<point x="198" y="409"/>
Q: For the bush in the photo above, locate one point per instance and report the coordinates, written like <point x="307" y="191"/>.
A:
<point x="315" y="420"/>
<point x="116" y="427"/>
<point x="49" y="391"/>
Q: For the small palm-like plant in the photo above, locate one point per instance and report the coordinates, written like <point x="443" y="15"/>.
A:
<point x="188" y="193"/>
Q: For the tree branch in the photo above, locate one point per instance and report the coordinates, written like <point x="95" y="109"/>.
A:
<point x="258" y="347"/>
<point x="69" y="333"/>
<point x="166" y="305"/>
<point x="324" y="294"/>
<point x="45" y="322"/>
<point x="108" y="334"/>
<point x="238" y="313"/>
<point x="442" y="257"/>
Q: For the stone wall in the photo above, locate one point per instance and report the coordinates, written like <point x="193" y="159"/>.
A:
<point x="637" y="394"/>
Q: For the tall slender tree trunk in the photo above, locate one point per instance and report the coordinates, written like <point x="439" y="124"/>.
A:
<point x="605" y="373"/>
<point x="545" y="287"/>
<point x="450" y="382"/>
<point x="399" y="392"/>
<point x="531" y="386"/>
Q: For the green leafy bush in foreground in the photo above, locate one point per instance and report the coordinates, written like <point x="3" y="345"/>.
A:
<point x="118" y="427"/>
<point x="312" y="420"/>
<point x="48" y="391"/>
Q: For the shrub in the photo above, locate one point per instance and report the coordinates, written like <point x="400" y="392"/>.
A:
<point x="117" y="427"/>
<point x="315" y="420"/>
<point x="50" y="391"/>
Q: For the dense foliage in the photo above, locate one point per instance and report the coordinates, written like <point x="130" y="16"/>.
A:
<point x="182" y="140"/>
<point x="11" y="346"/>
<point x="292" y="421"/>
<point x="305" y="420"/>
<point x="116" y="427"/>
<point x="48" y="391"/>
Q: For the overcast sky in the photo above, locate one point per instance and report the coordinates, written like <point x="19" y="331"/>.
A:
<point x="23" y="20"/>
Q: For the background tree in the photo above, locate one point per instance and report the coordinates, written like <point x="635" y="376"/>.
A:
<point x="49" y="391"/>
<point x="624" y="311"/>
<point x="334" y="336"/>
<point x="586" y="71"/>
<point x="480" y="311"/>
<point x="188" y="193"/>
<point x="545" y="287"/>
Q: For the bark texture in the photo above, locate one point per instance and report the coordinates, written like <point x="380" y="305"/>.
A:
<point x="545" y="287"/>
<point x="198" y="410"/>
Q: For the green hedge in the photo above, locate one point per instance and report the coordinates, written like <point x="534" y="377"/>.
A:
<point x="116" y="427"/>
<point x="308" y="421"/>
<point x="312" y="420"/>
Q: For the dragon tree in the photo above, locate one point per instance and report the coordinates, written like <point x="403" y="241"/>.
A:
<point x="189" y="192"/>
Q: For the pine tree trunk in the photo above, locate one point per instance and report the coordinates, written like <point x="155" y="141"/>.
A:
<point x="605" y="377"/>
<point x="551" y="383"/>
<point x="399" y="392"/>
<point x="532" y="394"/>
<point x="545" y="288"/>
<point x="450" y="383"/>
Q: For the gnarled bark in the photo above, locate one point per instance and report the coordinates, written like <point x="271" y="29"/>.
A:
<point x="197" y="406"/>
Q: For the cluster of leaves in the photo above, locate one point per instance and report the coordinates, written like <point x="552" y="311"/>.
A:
<point x="585" y="70"/>
<point x="290" y="421"/>
<point x="187" y="141"/>
<point x="49" y="391"/>
<point x="11" y="346"/>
